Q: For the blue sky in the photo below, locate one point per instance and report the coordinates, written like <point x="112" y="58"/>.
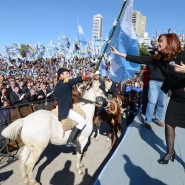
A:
<point x="44" y="20"/>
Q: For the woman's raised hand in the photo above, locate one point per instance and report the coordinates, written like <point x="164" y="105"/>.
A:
<point x="113" y="50"/>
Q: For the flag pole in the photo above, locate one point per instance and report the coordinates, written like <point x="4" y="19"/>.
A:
<point x="79" y="46"/>
<point x="110" y="37"/>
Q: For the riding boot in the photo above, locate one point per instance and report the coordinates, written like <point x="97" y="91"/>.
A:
<point x="72" y="138"/>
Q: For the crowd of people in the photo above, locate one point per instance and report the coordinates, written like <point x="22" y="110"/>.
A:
<point x="35" y="81"/>
<point x="26" y="82"/>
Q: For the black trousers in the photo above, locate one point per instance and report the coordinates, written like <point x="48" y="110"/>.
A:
<point x="145" y="99"/>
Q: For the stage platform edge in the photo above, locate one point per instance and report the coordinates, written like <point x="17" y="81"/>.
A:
<point x="134" y="162"/>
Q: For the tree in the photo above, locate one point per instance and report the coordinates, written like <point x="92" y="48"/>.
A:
<point x="143" y="50"/>
<point x="23" y="50"/>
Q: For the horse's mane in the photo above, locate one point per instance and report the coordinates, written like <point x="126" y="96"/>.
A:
<point x="85" y="95"/>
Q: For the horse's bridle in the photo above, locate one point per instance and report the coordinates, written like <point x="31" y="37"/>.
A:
<point x="98" y="104"/>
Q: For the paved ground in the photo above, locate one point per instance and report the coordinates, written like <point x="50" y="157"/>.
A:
<point x="135" y="159"/>
<point x="57" y="164"/>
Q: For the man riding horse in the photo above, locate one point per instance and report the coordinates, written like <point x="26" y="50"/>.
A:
<point x="63" y="92"/>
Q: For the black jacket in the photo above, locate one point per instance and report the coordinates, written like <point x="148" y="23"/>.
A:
<point x="173" y="81"/>
<point x="14" y="99"/>
<point x="31" y="98"/>
<point x="155" y="73"/>
<point x="114" y="88"/>
<point x="49" y="90"/>
<point x="123" y="89"/>
<point x="63" y="92"/>
<point x="41" y="92"/>
<point x="23" y="89"/>
<point x="9" y="91"/>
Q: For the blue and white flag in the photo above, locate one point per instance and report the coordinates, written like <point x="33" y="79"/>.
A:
<point x="125" y="41"/>
<point x="8" y="62"/>
<point x="81" y="34"/>
<point x="40" y="54"/>
<point x="102" y="68"/>
<point x="99" y="42"/>
<point x="66" y="41"/>
<point x="53" y="45"/>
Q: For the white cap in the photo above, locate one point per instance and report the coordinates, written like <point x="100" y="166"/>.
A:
<point x="97" y="73"/>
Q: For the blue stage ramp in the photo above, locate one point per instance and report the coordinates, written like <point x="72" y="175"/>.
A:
<point x="135" y="159"/>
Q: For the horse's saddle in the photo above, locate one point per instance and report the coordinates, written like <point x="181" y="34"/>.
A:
<point x="68" y="124"/>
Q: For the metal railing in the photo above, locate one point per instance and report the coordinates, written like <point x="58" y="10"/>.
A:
<point x="9" y="148"/>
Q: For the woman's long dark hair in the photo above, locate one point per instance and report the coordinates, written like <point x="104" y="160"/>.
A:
<point x="1" y="91"/>
<point x="172" y="49"/>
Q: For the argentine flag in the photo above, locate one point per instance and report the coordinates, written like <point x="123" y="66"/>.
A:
<point x="40" y="54"/>
<point x="125" y="41"/>
<point x="81" y="34"/>
<point x="102" y="68"/>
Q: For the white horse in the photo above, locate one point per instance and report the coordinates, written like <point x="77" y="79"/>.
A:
<point x="42" y="127"/>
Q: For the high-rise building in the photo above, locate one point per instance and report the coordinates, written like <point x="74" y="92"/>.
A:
<point x="139" y="23"/>
<point x="145" y="41"/>
<point x="97" y="26"/>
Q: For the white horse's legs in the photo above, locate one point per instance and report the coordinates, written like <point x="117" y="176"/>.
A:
<point x="23" y="158"/>
<point x="34" y="156"/>
<point x="79" y="164"/>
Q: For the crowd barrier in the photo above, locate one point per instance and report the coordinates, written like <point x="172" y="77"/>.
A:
<point x="12" y="113"/>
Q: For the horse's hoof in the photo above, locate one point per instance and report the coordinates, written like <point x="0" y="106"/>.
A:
<point x="24" y="180"/>
<point x="33" y="182"/>
<point x="119" y="134"/>
<point x="37" y="183"/>
<point x="82" y="165"/>
<point x="107" y="140"/>
<point x="80" y="172"/>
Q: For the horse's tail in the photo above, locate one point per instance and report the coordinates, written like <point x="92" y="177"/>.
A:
<point x="12" y="130"/>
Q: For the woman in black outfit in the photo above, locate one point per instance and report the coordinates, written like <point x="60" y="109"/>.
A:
<point x="169" y="54"/>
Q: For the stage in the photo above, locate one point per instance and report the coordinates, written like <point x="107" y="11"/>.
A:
<point x="135" y="160"/>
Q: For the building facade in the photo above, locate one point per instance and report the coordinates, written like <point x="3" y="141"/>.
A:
<point x="97" y="26"/>
<point x="144" y="40"/>
<point x="139" y="23"/>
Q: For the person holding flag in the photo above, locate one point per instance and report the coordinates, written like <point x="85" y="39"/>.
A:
<point x="167" y="57"/>
<point x="63" y="92"/>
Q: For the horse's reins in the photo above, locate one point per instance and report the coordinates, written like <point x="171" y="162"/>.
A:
<point x="89" y="101"/>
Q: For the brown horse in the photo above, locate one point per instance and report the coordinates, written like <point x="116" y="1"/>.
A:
<point x="112" y="116"/>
